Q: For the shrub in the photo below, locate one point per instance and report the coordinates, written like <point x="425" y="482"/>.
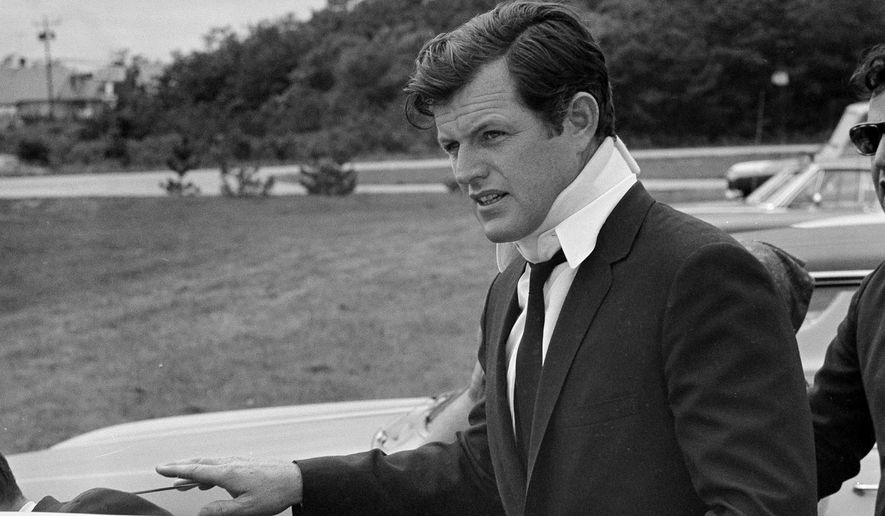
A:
<point x="327" y="177"/>
<point x="245" y="182"/>
<point x="181" y="159"/>
<point x="34" y="151"/>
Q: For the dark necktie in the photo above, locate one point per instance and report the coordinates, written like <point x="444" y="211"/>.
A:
<point x="528" y="358"/>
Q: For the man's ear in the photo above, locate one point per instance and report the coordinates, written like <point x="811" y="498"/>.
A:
<point x="582" y="116"/>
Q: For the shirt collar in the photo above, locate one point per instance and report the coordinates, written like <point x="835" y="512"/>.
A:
<point x="579" y="211"/>
<point x="28" y="507"/>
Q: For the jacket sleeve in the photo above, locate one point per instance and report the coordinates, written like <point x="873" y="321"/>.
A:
<point x="736" y="387"/>
<point x="843" y="427"/>
<point x="437" y="478"/>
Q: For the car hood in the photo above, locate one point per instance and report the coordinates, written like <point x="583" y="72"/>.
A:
<point x="124" y="456"/>
<point x="741" y="217"/>
<point x="831" y="245"/>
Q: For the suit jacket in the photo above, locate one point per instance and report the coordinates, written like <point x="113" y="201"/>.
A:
<point x="848" y="396"/>
<point x="672" y="385"/>
<point x="102" y="501"/>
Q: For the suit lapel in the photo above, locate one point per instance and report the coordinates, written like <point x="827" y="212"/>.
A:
<point x="500" y="324"/>
<point x="588" y="290"/>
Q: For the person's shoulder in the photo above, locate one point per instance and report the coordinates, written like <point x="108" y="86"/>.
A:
<point x="669" y="214"/>
<point x="878" y="274"/>
<point x="682" y="233"/>
<point x="872" y="289"/>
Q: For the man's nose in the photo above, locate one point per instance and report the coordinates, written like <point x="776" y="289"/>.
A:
<point x="469" y="166"/>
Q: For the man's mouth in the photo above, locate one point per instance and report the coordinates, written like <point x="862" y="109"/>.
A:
<point x="488" y="198"/>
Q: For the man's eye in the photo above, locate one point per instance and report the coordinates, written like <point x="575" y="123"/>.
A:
<point x="492" y="135"/>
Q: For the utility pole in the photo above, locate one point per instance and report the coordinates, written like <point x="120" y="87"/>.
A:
<point x="46" y="35"/>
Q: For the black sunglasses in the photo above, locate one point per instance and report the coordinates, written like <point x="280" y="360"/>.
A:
<point x="866" y="137"/>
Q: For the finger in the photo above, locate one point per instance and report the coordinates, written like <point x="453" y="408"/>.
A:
<point x="222" y="508"/>
<point x="185" y="468"/>
<point x="189" y="472"/>
<point x="208" y="461"/>
<point x="173" y="470"/>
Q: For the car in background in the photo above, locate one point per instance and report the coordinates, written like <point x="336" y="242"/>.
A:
<point x="744" y="177"/>
<point x="837" y="252"/>
<point x="797" y="193"/>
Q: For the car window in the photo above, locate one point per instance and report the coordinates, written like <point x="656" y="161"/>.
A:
<point x="835" y="189"/>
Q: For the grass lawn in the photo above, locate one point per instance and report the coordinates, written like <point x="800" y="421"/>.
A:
<point x="114" y="310"/>
<point x="125" y="309"/>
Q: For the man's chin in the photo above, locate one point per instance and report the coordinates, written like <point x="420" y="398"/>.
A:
<point x="498" y="233"/>
<point x="502" y="229"/>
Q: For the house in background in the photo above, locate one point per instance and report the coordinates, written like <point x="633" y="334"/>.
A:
<point x="24" y="91"/>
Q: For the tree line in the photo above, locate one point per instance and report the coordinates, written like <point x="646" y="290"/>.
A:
<point x="684" y="72"/>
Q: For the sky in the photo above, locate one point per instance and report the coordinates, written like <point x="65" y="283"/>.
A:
<point x="87" y="32"/>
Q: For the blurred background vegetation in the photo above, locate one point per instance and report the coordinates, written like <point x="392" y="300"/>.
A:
<point x="685" y="72"/>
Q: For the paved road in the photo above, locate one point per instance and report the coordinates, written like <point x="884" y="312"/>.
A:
<point x="147" y="184"/>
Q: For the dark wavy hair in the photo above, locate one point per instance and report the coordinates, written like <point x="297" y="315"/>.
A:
<point x="549" y="51"/>
<point x="869" y="77"/>
<point x="9" y="490"/>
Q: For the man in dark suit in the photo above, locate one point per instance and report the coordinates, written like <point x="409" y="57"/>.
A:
<point x="642" y="364"/>
<point x="93" y="501"/>
<point x="848" y="396"/>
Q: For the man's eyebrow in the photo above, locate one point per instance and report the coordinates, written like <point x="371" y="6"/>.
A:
<point x="484" y="123"/>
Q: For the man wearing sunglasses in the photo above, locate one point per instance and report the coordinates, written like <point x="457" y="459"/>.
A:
<point x="848" y="396"/>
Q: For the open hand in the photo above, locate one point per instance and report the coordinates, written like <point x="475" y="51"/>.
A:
<point x="257" y="487"/>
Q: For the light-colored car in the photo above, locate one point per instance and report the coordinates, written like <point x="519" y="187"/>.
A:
<point x="838" y="253"/>
<point x="123" y="456"/>
<point x="744" y="177"/>
<point x="821" y="189"/>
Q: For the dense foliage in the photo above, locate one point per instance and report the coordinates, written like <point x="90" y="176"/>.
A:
<point x="685" y="72"/>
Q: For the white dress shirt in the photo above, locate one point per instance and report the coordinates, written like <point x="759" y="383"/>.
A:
<point x="572" y="224"/>
<point x="28" y="507"/>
